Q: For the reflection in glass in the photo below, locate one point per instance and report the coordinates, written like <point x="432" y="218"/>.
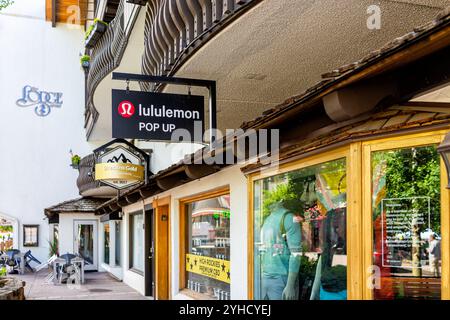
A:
<point x="117" y="241"/>
<point x="137" y="241"/>
<point x="300" y="234"/>
<point x="209" y="247"/>
<point x="86" y="242"/>
<point x="106" y="245"/>
<point x="406" y="222"/>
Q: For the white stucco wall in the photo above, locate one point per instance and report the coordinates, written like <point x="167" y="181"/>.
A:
<point x="237" y="183"/>
<point x="34" y="151"/>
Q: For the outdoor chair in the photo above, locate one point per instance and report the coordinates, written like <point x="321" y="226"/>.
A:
<point x="66" y="270"/>
<point x="28" y="257"/>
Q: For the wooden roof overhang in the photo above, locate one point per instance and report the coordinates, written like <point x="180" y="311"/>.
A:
<point x="62" y="11"/>
<point x="419" y="59"/>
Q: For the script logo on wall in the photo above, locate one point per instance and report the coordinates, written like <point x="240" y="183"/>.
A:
<point x="42" y="101"/>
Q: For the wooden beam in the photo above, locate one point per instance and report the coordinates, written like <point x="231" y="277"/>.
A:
<point x="134" y="197"/>
<point x="197" y="171"/>
<point x="170" y="182"/>
<point x="53" y="13"/>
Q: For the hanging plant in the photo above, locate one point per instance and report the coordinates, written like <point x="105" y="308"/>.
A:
<point x="85" y="61"/>
<point x="75" y="159"/>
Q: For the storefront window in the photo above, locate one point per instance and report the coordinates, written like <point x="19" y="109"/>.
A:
<point x="208" y="255"/>
<point x="118" y="232"/>
<point x="137" y="241"/>
<point x="300" y="234"/>
<point x="406" y="221"/>
<point x="106" y="245"/>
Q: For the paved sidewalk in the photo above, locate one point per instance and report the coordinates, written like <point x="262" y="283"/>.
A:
<point x="97" y="286"/>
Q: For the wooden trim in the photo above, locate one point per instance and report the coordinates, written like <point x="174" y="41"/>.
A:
<point x="367" y="229"/>
<point x="183" y="227"/>
<point x="399" y="142"/>
<point x="329" y="155"/>
<point x="182" y="246"/>
<point x="220" y="191"/>
<point x="354" y="224"/>
<point x="445" y="233"/>
<point x="162" y="254"/>
<point x="250" y="240"/>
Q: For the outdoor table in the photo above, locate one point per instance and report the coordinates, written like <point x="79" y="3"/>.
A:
<point x="80" y="261"/>
<point x="57" y="262"/>
<point x="60" y="261"/>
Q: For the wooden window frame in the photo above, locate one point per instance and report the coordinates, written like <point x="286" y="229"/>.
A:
<point x="184" y="235"/>
<point x="392" y="143"/>
<point x="359" y="210"/>
<point x="350" y="154"/>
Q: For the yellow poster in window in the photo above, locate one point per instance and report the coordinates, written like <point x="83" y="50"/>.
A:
<point x="209" y="267"/>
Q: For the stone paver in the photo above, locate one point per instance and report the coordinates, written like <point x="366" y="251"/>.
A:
<point x="97" y="286"/>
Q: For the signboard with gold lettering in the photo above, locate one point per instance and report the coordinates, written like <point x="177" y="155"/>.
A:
<point x="209" y="267"/>
<point x="119" y="168"/>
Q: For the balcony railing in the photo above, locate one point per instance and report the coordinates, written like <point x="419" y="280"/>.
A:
<point x="174" y="29"/>
<point x="106" y="56"/>
<point x="86" y="183"/>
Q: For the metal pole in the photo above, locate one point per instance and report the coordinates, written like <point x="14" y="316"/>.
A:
<point x="212" y="112"/>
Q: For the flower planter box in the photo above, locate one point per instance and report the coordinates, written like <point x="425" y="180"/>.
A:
<point x="95" y="35"/>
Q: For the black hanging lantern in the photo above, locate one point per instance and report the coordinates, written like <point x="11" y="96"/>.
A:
<point x="138" y="2"/>
<point x="444" y="150"/>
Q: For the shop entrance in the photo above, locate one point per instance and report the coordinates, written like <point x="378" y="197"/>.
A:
<point x="85" y="244"/>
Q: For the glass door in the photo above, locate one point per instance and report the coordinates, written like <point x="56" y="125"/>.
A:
<point x="85" y="242"/>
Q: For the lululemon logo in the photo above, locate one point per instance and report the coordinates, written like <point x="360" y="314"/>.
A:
<point x="126" y="109"/>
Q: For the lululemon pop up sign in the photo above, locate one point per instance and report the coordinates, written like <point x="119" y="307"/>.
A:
<point x="155" y="116"/>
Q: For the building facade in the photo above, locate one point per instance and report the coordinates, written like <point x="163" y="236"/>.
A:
<point x="356" y="206"/>
<point x="42" y="96"/>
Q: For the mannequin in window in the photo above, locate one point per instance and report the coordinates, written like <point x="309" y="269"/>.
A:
<point x="280" y="254"/>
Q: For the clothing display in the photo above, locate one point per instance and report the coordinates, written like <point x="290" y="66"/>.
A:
<point x="280" y="253"/>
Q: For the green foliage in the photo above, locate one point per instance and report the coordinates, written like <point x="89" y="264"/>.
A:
<point x="334" y="279"/>
<point x="92" y="26"/>
<point x="413" y="172"/>
<point x="53" y="247"/>
<point x="5" y="3"/>
<point x="76" y="160"/>
<point x="85" y="58"/>
<point x="288" y="194"/>
<point x="3" y="271"/>
<point x="6" y="229"/>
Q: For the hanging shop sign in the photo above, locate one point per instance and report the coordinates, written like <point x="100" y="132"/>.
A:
<point x="156" y="116"/>
<point x="209" y="267"/>
<point x="42" y="101"/>
<point x="119" y="168"/>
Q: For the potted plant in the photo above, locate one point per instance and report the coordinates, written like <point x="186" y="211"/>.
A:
<point x="75" y="159"/>
<point x="85" y="61"/>
<point x="94" y="32"/>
